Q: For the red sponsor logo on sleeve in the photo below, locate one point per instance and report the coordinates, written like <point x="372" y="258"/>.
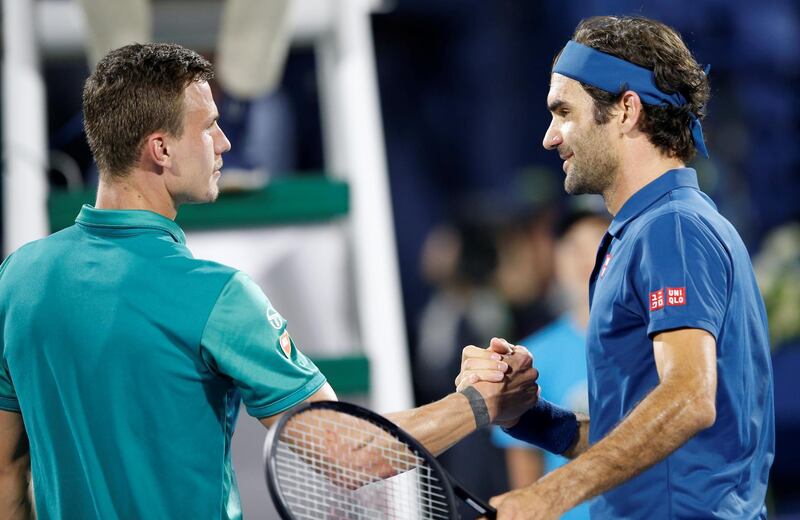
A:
<point x="656" y="300"/>
<point x="676" y="296"/>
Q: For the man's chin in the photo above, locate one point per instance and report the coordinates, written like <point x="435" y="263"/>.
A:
<point x="576" y="185"/>
<point x="213" y="194"/>
<point x="572" y="185"/>
<point x="213" y="189"/>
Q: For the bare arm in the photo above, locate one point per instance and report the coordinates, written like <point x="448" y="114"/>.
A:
<point x="682" y="404"/>
<point x="15" y="469"/>
<point x="439" y="425"/>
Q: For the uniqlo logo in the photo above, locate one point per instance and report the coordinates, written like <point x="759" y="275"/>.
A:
<point x="676" y="296"/>
<point x="656" y="300"/>
<point x="605" y="265"/>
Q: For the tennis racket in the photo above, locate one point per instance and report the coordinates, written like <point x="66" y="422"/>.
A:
<point x="337" y="461"/>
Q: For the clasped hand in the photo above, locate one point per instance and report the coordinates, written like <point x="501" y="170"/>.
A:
<point x="505" y="377"/>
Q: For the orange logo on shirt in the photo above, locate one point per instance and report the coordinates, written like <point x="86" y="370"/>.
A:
<point x="286" y="344"/>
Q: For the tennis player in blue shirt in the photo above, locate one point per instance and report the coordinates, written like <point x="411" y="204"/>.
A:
<point x="680" y="381"/>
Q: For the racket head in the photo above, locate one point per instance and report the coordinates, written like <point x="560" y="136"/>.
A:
<point x="440" y="501"/>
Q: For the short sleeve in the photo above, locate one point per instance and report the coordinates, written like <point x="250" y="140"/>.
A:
<point x="680" y="275"/>
<point x="8" y="397"/>
<point x="246" y="340"/>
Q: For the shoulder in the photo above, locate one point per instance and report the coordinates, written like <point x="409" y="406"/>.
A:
<point x="238" y="285"/>
<point x="678" y="227"/>
<point x="27" y="255"/>
<point x="209" y="269"/>
<point x="241" y="299"/>
<point x="688" y="211"/>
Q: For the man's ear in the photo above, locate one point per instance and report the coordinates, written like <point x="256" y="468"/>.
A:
<point x="156" y="150"/>
<point x="631" y="111"/>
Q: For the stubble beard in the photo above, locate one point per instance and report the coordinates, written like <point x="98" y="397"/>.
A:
<point x="593" y="169"/>
<point x="213" y="193"/>
<point x="213" y="185"/>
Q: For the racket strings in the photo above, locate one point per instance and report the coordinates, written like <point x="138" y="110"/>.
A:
<point x="335" y="466"/>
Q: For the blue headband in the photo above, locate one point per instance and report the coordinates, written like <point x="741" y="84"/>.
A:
<point x="616" y="75"/>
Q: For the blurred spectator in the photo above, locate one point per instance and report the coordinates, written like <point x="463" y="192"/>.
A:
<point x="558" y="348"/>
<point x="525" y="270"/>
<point x="777" y="267"/>
<point x="460" y="261"/>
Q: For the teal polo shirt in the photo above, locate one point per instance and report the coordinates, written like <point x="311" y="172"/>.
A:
<point x="128" y="360"/>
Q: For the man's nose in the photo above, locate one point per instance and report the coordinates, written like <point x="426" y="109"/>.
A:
<point x="552" y="138"/>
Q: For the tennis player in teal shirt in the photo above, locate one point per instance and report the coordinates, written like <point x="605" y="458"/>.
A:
<point x="124" y="360"/>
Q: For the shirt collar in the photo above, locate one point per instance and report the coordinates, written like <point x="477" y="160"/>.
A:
<point x="129" y="219"/>
<point x="645" y="197"/>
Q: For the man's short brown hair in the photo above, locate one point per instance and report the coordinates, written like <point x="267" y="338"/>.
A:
<point x="134" y="91"/>
<point x="658" y="47"/>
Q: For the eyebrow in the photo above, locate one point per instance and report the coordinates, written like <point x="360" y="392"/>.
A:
<point x="556" y="104"/>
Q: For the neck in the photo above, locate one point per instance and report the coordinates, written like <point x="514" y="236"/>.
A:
<point x="132" y="192"/>
<point x="638" y="168"/>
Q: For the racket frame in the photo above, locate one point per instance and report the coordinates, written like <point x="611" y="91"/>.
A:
<point x="273" y="437"/>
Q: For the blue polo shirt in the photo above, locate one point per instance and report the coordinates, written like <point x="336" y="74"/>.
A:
<point x="671" y="261"/>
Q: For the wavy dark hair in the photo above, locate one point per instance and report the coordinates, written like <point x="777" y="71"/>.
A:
<point x="657" y="47"/>
<point x="134" y="91"/>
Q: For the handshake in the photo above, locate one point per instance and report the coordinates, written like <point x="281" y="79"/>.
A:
<point x="505" y="378"/>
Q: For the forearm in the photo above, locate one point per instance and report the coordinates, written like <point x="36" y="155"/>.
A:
<point x="438" y="425"/>
<point x="16" y="502"/>
<point x="581" y="443"/>
<point x="661" y="423"/>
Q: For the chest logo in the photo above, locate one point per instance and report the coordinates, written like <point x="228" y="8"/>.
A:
<point x="604" y="268"/>
<point x="676" y="296"/>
